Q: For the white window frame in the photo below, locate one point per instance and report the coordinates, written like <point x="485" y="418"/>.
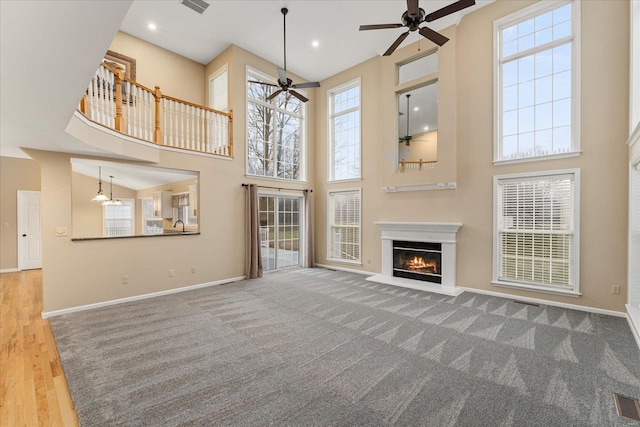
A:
<point x="330" y="216"/>
<point x="303" y="128"/>
<point x="574" y="272"/>
<point x="132" y="229"/>
<point x="634" y="74"/>
<point x="330" y="131"/>
<point x="220" y="72"/>
<point x="532" y="11"/>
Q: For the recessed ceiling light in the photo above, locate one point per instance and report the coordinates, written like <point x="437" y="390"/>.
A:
<point x="315" y="43"/>
<point x="151" y="26"/>
<point x="426" y="128"/>
<point x="416" y="108"/>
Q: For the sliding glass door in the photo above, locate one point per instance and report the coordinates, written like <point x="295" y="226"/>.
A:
<point x="280" y="235"/>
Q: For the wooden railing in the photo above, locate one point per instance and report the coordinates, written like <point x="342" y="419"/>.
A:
<point x="405" y="166"/>
<point x="123" y="105"/>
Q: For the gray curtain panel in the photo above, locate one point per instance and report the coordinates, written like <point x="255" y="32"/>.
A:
<point x="254" y="257"/>
<point x="308" y="260"/>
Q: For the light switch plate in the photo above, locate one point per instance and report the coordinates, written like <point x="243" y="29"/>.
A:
<point x="61" y="231"/>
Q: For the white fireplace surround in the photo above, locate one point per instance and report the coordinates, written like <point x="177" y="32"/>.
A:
<point x="434" y="232"/>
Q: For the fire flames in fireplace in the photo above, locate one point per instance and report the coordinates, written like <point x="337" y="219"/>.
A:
<point x="418" y="264"/>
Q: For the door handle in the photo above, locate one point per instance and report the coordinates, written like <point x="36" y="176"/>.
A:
<point x="24" y="235"/>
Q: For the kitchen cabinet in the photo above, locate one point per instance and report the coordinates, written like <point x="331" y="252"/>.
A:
<point x="193" y="200"/>
<point x="162" y="204"/>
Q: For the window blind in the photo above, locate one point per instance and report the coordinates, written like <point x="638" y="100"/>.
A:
<point x="345" y="226"/>
<point x="536" y="230"/>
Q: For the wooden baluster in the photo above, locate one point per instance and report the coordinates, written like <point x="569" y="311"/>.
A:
<point x="136" y="112"/>
<point x="109" y="110"/>
<point x="120" y="122"/>
<point x="420" y="167"/>
<point x="229" y="122"/>
<point x="157" y="136"/>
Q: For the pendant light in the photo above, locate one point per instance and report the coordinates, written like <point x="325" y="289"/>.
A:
<point x="407" y="138"/>
<point x="111" y="201"/>
<point x="100" y="197"/>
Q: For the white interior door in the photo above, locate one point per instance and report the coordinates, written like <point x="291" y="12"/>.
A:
<point x="29" y="233"/>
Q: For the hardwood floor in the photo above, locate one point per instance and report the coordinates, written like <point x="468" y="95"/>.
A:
<point x="33" y="389"/>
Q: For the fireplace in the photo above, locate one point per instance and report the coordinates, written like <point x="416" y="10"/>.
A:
<point x="419" y="255"/>
<point x="417" y="260"/>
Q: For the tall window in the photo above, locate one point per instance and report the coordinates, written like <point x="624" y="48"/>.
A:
<point x="344" y="226"/>
<point x="274" y="131"/>
<point x="219" y="90"/>
<point x="536" y="87"/>
<point x="119" y="219"/>
<point x="537" y="231"/>
<point x="344" y="114"/>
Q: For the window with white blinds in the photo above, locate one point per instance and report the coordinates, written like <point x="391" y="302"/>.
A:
<point x="119" y="219"/>
<point x="344" y="226"/>
<point x="536" y="231"/>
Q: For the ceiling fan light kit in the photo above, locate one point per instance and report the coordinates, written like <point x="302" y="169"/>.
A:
<point x="414" y="16"/>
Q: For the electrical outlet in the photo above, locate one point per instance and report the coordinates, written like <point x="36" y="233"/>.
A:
<point x="172" y="272"/>
<point x="193" y="270"/>
<point x="615" y="289"/>
<point x="125" y="280"/>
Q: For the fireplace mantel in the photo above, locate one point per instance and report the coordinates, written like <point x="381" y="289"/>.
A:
<point x="437" y="232"/>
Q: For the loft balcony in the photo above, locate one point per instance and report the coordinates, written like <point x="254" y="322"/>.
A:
<point x="140" y="114"/>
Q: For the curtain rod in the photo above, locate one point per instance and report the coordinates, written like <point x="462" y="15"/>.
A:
<point x="278" y="188"/>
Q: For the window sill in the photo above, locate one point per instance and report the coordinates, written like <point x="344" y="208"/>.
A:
<point x="344" y="261"/>
<point x="537" y="158"/>
<point x="537" y="288"/>
<point x="338" y="181"/>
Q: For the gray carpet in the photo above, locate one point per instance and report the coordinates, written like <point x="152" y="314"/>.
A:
<point x="312" y="347"/>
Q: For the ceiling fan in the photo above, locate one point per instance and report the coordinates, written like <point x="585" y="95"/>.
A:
<point x="414" y="16"/>
<point x="285" y="84"/>
<point x="407" y="138"/>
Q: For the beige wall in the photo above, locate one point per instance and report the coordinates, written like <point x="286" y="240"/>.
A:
<point x="177" y="76"/>
<point x="15" y="174"/>
<point x="83" y="272"/>
<point x="466" y="75"/>
<point x="77" y="273"/>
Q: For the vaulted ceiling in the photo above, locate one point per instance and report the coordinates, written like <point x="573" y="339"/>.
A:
<point x="49" y="49"/>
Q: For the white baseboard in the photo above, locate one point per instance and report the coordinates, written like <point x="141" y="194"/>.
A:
<point x="547" y="302"/>
<point x="349" y="270"/>
<point x="8" y="270"/>
<point x="47" y="314"/>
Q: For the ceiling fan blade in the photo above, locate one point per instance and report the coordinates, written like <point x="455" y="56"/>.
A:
<point x="379" y="26"/>
<point x="262" y="83"/>
<point x="297" y="95"/>
<point x="434" y="36"/>
<point x="274" y="94"/>
<point x="282" y="76"/>
<point x="412" y="8"/>
<point x="306" y="85"/>
<point x="448" y="10"/>
<point x="396" y="43"/>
